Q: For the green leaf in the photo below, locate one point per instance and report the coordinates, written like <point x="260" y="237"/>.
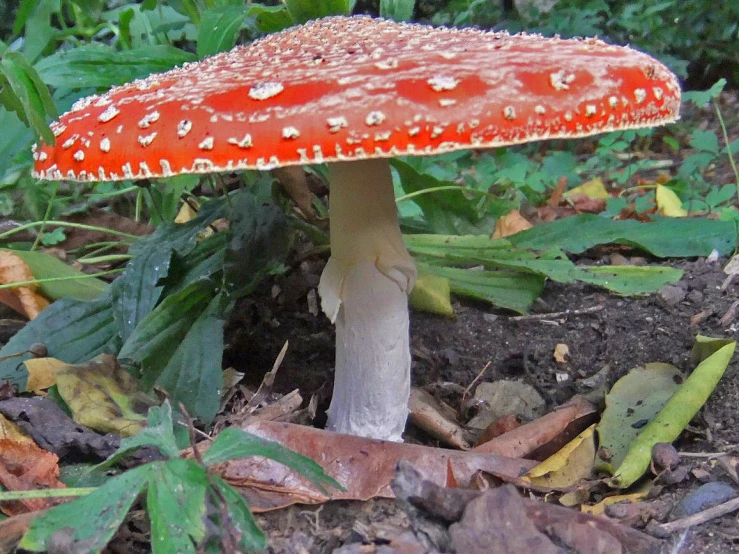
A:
<point x="176" y="506"/>
<point x="633" y="401"/>
<point x="232" y="443"/>
<point x="194" y="375"/>
<point x="447" y="212"/>
<point x="252" y="537"/>
<point x="219" y="29"/>
<point x="103" y="509"/>
<point x="702" y="97"/>
<point x="506" y="289"/>
<point x="677" y="411"/>
<point x="73" y="331"/>
<point x="26" y="94"/>
<point x="629" y="280"/>
<point x="15" y="142"/>
<point x="101" y="66"/>
<point x="140" y="288"/>
<point x="46" y="266"/>
<point x="706" y="141"/>
<point x="157" y="433"/>
<point x="156" y="338"/>
<point x="260" y="241"/>
<point x="304" y="10"/>
<point x="667" y="237"/>
<point x="399" y="10"/>
<point x="270" y="19"/>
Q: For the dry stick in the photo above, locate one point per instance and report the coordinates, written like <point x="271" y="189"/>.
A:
<point x="667" y="529"/>
<point x="477" y="378"/>
<point x="554" y="315"/>
<point x="269" y="379"/>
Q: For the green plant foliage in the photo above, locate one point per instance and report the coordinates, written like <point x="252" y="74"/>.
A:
<point x="399" y="10"/>
<point x="183" y="500"/>
<point x="219" y="28"/>
<point x="304" y="10"/>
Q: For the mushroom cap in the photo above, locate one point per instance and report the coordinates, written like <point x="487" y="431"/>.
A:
<point x="346" y="88"/>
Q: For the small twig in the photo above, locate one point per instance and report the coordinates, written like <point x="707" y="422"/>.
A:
<point x="702" y="454"/>
<point x="666" y="529"/>
<point x="477" y="378"/>
<point x="269" y="379"/>
<point x="730" y="315"/>
<point x="554" y="315"/>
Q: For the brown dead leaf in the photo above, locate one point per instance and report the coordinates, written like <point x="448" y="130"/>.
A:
<point x="24" y="299"/>
<point x="13" y="529"/>
<point x="499" y="427"/>
<point x="561" y="352"/>
<point x="25" y="466"/>
<point x="543" y="437"/>
<point x="10" y="431"/>
<point x="558" y="193"/>
<point x="365" y="467"/>
<point x="510" y="224"/>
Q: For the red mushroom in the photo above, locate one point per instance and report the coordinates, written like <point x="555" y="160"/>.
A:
<point x="354" y="91"/>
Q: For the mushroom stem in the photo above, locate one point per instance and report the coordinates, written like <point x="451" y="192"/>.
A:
<point x="364" y="290"/>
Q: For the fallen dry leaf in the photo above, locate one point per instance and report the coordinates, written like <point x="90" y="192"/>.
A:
<point x="10" y="431"/>
<point x="24" y="299"/>
<point x="365" y="467"/>
<point x="510" y="224"/>
<point x="543" y="437"/>
<point x="13" y="529"/>
<point x="103" y="396"/>
<point x="593" y="190"/>
<point x="561" y="351"/>
<point x="25" y="466"/>
<point x="41" y="373"/>
<point x="428" y="414"/>
<point x="568" y="466"/>
<point x="668" y="203"/>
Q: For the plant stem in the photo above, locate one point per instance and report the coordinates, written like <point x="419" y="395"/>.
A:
<point x="55" y="279"/>
<point x="104" y="259"/>
<point x="412" y="195"/>
<point x="45" y="493"/>
<point x="728" y="145"/>
<point x="46" y="216"/>
<point x="33" y="224"/>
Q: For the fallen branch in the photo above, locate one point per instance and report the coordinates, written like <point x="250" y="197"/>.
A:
<point x="666" y="529"/>
<point x="555" y="315"/>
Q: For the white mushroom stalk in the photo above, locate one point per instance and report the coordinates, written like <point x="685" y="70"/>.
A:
<point x="364" y="290"/>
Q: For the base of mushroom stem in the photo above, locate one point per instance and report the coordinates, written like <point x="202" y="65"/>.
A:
<point x="372" y="381"/>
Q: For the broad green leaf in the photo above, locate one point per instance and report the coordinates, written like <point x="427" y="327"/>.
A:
<point x="447" y="211"/>
<point x="91" y="521"/>
<point x="677" y="412"/>
<point x="663" y="238"/>
<point x="100" y="66"/>
<point x="27" y="94"/>
<point x="259" y="242"/>
<point x="270" y="19"/>
<point x="176" y="506"/>
<point x="506" y="289"/>
<point x="252" y="537"/>
<point x="39" y="32"/>
<point x="194" y="375"/>
<point x="304" y="10"/>
<point x="158" y="335"/>
<point x="73" y="331"/>
<point x="633" y="401"/>
<point x="232" y="443"/>
<point x="157" y="434"/>
<point x="628" y="279"/>
<point x="219" y="28"/>
<point x="141" y="287"/>
<point x="399" y="10"/>
<point x="76" y="284"/>
<point x="15" y="141"/>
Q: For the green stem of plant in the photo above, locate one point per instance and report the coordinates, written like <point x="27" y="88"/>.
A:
<point x="412" y="195"/>
<point x="6" y="496"/>
<point x="728" y="145"/>
<point x="115" y="192"/>
<point x="33" y="224"/>
<point x="55" y="279"/>
<point x="46" y="216"/>
<point x="104" y="259"/>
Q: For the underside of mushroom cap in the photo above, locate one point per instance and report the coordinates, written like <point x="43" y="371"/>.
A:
<point x="347" y="88"/>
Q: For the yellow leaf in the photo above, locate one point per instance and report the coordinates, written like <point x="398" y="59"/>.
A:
<point x="668" y="202"/>
<point x="432" y="294"/>
<point x="103" y="396"/>
<point x="510" y="224"/>
<point x="594" y="189"/>
<point x="568" y="466"/>
<point x="10" y="431"/>
<point x="23" y="299"/>
<point x="41" y="373"/>
<point x="600" y="508"/>
<point x="186" y="213"/>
